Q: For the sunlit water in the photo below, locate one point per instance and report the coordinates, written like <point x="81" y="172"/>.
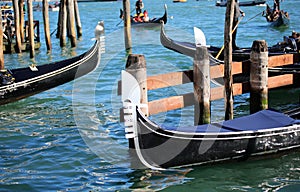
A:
<point x="69" y="138"/>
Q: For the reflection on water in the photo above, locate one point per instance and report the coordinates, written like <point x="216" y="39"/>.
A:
<point x="278" y="174"/>
<point x="150" y="180"/>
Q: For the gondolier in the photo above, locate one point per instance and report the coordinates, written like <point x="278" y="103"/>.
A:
<point x="237" y="13"/>
<point x="139" y="5"/>
<point x="276" y="5"/>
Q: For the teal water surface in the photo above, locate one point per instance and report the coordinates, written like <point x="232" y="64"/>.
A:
<point x="70" y="139"/>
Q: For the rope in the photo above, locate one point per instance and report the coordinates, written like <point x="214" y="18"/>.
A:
<point x="123" y="15"/>
<point x="253" y="17"/>
<point x="53" y="32"/>
<point x="222" y="48"/>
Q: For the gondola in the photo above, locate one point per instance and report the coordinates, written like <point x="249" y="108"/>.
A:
<point x="152" y="22"/>
<point x="223" y="3"/>
<point x="16" y="84"/>
<point x="187" y="48"/>
<point x="276" y="18"/>
<point x="264" y="134"/>
<point x="282" y="20"/>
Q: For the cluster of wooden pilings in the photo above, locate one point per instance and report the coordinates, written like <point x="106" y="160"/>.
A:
<point x="253" y="72"/>
<point x="68" y="18"/>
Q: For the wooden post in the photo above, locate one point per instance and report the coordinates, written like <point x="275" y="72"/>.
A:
<point x="31" y="30"/>
<point x="58" y="28"/>
<point x="201" y="74"/>
<point x="77" y="19"/>
<point x="259" y="76"/>
<point x="71" y="22"/>
<point x="136" y="66"/>
<point x="2" y="66"/>
<point x="18" y="46"/>
<point x="46" y="25"/>
<point x="296" y="76"/>
<point x="63" y="24"/>
<point x="228" y="60"/>
<point x="127" y="26"/>
<point x="22" y="20"/>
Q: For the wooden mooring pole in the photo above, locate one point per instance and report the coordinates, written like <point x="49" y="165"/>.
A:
<point x="46" y="25"/>
<point x="127" y="26"/>
<point x="31" y="30"/>
<point x="77" y="19"/>
<point x="18" y="47"/>
<point x="201" y="75"/>
<point x="71" y="22"/>
<point x="58" y="28"/>
<point x="228" y="60"/>
<point x="22" y="20"/>
<point x="259" y="76"/>
<point x="63" y="23"/>
<point x="136" y="66"/>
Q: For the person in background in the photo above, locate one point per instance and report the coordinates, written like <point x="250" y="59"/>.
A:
<point x="276" y="6"/>
<point x="137" y="18"/>
<point x="289" y="43"/>
<point x="236" y="17"/>
<point x="296" y="37"/>
<point x="139" y="5"/>
<point x="146" y="17"/>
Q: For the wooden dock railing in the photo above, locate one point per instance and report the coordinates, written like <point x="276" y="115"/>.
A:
<point x="253" y="72"/>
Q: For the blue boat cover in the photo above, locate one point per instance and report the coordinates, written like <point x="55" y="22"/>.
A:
<point x="264" y="119"/>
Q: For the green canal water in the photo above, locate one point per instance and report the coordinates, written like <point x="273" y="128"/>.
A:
<point x="70" y="139"/>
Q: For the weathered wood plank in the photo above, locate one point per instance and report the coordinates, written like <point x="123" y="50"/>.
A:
<point x="170" y="103"/>
<point x="279" y="81"/>
<point x="217" y="71"/>
<point x="185" y="100"/>
<point x="281" y="60"/>
<point x="169" y="79"/>
<point x="218" y="92"/>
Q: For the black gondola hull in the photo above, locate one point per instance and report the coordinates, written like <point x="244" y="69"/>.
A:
<point x="161" y="148"/>
<point x="189" y="49"/>
<point x="29" y="82"/>
<point x="282" y="20"/>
